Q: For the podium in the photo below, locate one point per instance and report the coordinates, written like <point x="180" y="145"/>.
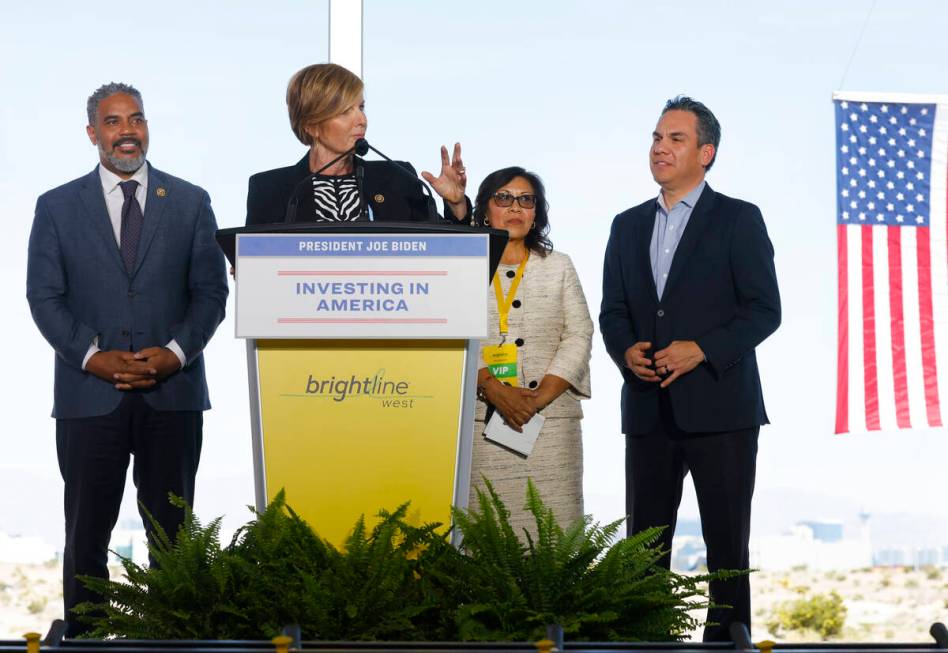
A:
<point x="362" y="355"/>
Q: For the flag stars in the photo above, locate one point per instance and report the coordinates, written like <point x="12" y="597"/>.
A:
<point x="919" y="175"/>
<point x="899" y="174"/>
<point x="902" y="131"/>
<point x="921" y="154"/>
<point x="853" y="182"/>
<point x="853" y="160"/>
<point x="890" y="206"/>
<point x="871" y="206"/>
<point x="899" y="196"/>
<point x="909" y="208"/>
<point x="862" y="216"/>
<point x="872" y="163"/>
<point x="919" y="198"/>
<point x="900" y="218"/>
<point x="893" y="120"/>
<point x="913" y="122"/>
<point x="863" y="129"/>
<point x="880" y="174"/>
<point x="919" y="220"/>
<point x="845" y="192"/>
<point x="892" y="142"/>
<point x="901" y="154"/>
<point x="845" y="215"/>
<point x="880" y="217"/>
<point x="922" y="133"/>
<point x="911" y="142"/>
<point x="844" y="149"/>
<point x="880" y="195"/>
<point x="871" y="183"/>
<point x="862" y="151"/>
<point x="872" y="140"/>
<point x="884" y="108"/>
<point x="845" y="171"/>
<point x="854" y="117"/>
<point x="903" y="110"/>
<point x="844" y="104"/>
<point x="890" y="185"/>
<point x="873" y="119"/>
<point x="881" y="151"/>
<point x="853" y="204"/>
<point x="910" y="186"/>
<point x="910" y="165"/>
<point x="862" y="172"/>
<point x="852" y="138"/>
<point x="924" y="111"/>
<point x="883" y="130"/>
<point x="862" y="194"/>
<point x="863" y="107"/>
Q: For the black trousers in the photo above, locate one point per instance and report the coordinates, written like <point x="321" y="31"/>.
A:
<point x="93" y="459"/>
<point x="723" y="466"/>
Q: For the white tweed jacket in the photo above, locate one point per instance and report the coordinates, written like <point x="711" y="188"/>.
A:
<point x="551" y="327"/>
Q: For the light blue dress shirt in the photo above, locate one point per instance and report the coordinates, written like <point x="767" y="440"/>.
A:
<point x="669" y="226"/>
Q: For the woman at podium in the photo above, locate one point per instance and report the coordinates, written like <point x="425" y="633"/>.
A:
<point x="535" y="360"/>
<point x="332" y="183"/>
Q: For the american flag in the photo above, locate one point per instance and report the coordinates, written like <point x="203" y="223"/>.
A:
<point x="891" y="227"/>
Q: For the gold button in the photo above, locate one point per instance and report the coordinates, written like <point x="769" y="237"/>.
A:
<point x="379" y="198"/>
<point x="161" y="192"/>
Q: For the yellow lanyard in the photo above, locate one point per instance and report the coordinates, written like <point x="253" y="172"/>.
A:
<point x="504" y="303"/>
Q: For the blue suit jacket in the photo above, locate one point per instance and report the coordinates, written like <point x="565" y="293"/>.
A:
<point x="78" y="289"/>
<point x="721" y="292"/>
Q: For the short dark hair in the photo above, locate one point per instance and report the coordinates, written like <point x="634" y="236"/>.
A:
<point x="709" y="129"/>
<point x="537" y="239"/>
<point x="106" y="90"/>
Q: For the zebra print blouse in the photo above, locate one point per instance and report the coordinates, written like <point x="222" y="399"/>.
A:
<point x="336" y="199"/>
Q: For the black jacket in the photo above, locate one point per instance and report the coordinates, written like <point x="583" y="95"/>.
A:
<point x="391" y="194"/>
<point x="721" y="292"/>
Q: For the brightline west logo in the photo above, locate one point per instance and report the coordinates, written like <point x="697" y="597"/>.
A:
<point x="391" y="394"/>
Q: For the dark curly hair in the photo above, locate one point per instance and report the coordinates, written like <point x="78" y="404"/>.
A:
<point x="537" y="239"/>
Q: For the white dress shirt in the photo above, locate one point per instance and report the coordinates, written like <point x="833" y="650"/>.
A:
<point x="114" y="200"/>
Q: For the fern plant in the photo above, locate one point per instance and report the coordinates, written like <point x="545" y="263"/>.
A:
<point x="596" y="586"/>
<point x="397" y="581"/>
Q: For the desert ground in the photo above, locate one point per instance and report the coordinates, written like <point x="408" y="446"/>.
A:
<point x="883" y="604"/>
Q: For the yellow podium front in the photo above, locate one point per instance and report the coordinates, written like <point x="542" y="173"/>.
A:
<point x="352" y="426"/>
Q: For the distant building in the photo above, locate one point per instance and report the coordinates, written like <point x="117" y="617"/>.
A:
<point x="825" y="531"/>
<point x="812" y="544"/>
<point x="891" y="557"/>
<point x="26" y="550"/>
<point x="926" y="557"/>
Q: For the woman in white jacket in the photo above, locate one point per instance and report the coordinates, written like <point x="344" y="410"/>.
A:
<point x="536" y="356"/>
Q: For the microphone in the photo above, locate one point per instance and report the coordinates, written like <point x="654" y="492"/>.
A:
<point x="432" y="211"/>
<point x="361" y="147"/>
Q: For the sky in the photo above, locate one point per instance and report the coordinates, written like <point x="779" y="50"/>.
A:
<point x="569" y="90"/>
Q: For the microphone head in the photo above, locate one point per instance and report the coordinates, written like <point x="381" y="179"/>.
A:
<point x="361" y="147"/>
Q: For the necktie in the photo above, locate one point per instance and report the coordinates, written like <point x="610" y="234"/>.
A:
<point x="132" y="219"/>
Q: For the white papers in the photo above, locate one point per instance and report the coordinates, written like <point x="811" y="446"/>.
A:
<point x="522" y="443"/>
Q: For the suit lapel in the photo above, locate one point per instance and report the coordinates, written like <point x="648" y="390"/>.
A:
<point x="158" y="197"/>
<point x="700" y="218"/>
<point x="643" y="241"/>
<point x="93" y="201"/>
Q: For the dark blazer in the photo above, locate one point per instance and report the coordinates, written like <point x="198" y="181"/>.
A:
<point x="391" y="194"/>
<point x="721" y="292"/>
<point x="78" y="289"/>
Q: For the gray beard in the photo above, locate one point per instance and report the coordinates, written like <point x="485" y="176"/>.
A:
<point x="126" y="165"/>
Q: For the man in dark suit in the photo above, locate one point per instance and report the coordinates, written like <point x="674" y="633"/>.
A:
<point x="689" y="290"/>
<point x="127" y="284"/>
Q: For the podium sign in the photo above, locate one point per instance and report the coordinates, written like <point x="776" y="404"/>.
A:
<point x="361" y="286"/>
<point x="362" y="347"/>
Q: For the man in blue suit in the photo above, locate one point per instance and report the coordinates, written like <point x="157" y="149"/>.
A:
<point x="689" y="290"/>
<point x="127" y="284"/>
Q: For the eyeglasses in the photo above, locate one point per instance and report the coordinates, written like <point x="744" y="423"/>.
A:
<point x="505" y="199"/>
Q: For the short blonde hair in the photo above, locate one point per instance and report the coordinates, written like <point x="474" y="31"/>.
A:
<point x="317" y="93"/>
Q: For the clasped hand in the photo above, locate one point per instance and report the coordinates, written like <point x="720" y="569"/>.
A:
<point x="517" y="405"/>
<point x="678" y="358"/>
<point x="129" y="370"/>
